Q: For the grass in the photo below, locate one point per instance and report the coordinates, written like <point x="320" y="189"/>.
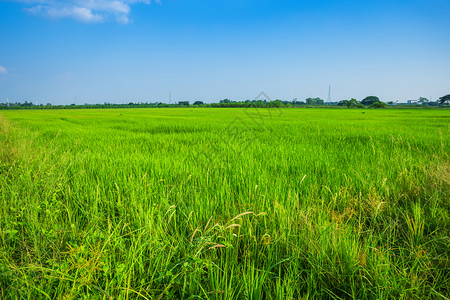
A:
<point x="224" y="204"/>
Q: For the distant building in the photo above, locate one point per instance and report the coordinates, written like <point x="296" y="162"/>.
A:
<point x="412" y="102"/>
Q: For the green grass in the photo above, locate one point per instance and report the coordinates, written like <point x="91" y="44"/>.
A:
<point x="224" y="204"/>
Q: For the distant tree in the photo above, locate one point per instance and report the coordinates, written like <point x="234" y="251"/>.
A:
<point x="354" y="103"/>
<point x="370" y="100"/>
<point x="183" y="103"/>
<point x="444" y="100"/>
<point x="277" y="103"/>
<point x="296" y="102"/>
<point x="314" y="101"/>
<point x="310" y="101"/>
<point x="423" y="101"/>
<point x="350" y="103"/>
<point x="378" y="105"/>
<point x="225" y="101"/>
<point x="343" y="103"/>
<point x="390" y="103"/>
<point x="198" y="103"/>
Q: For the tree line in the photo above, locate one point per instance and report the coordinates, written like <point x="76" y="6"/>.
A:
<point x="368" y="102"/>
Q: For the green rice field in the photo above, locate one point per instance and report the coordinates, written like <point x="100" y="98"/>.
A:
<point x="215" y="203"/>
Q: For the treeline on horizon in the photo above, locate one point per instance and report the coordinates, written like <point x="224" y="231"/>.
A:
<point x="368" y="102"/>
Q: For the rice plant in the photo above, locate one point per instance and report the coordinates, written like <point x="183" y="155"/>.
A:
<point x="206" y="203"/>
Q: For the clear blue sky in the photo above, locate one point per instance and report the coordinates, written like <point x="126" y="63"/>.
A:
<point x="92" y="51"/>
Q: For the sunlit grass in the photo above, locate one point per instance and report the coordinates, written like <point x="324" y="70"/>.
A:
<point x="225" y="204"/>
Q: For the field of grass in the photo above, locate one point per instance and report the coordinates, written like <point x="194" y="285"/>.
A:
<point x="225" y="204"/>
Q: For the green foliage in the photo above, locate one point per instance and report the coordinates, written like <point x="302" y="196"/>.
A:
<point x="444" y="100"/>
<point x="352" y="103"/>
<point x="314" y="101"/>
<point x="370" y="100"/>
<point x="378" y="105"/>
<point x="186" y="203"/>
<point x="222" y="103"/>
<point x="343" y="103"/>
<point x="423" y="101"/>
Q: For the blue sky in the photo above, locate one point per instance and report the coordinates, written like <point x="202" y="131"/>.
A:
<point x="95" y="51"/>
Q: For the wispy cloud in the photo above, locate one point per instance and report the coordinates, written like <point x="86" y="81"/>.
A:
<point x="3" y="70"/>
<point x="88" y="11"/>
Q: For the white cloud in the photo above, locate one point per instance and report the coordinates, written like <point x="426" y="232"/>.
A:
<point x="3" y="70"/>
<point x="88" y="11"/>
